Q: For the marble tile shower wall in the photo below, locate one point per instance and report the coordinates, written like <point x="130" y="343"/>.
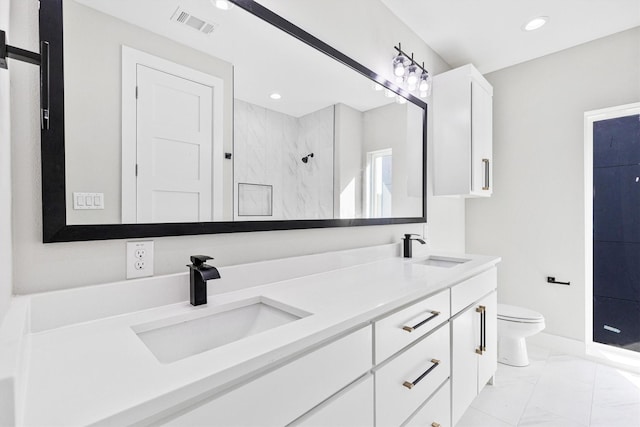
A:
<point x="268" y="148"/>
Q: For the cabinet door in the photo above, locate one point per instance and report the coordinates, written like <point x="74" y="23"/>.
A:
<point x="465" y="330"/>
<point x="481" y="141"/>
<point x="488" y="360"/>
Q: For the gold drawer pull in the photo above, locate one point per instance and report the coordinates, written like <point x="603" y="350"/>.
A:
<point x="435" y="424"/>
<point x="415" y="382"/>
<point x="434" y="314"/>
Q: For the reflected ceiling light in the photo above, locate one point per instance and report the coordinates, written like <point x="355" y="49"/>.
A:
<point x="401" y="99"/>
<point x="222" y="4"/>
<point x="535" y="23"/>
<point x="389" y="93"/>
<point x="275" y="95"/>
<point x="409" y="74"/>
<point x="377" y="86"/>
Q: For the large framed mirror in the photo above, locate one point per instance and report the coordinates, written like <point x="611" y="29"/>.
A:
<point x="175" y="117"/>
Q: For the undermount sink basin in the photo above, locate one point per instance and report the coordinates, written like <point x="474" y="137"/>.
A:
<point x="441" y="261"/>
<point x="178" y="337"/>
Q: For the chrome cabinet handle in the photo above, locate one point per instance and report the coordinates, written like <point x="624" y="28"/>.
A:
<point x="415" y="382"/>
<point x="482" y="348"/>
<point x="486" y="174"/>
<point x="434" y="314"/>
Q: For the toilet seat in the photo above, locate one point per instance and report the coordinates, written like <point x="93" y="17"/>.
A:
<point x="512" y="313"/>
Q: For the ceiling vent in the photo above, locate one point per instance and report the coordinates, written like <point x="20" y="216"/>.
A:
<point x="182" y="17"/>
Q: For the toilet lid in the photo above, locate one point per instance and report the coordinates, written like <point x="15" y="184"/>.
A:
<point x="515" y="313"/>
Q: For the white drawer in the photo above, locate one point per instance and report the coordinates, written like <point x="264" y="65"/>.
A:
<point x="400" y="329"/>
<point x="353" y="407"/>
<point x="395" y="401"/>
<point x="471" y="290"/>
<point x="437" y="411"/>
<point x="283" y="395"/>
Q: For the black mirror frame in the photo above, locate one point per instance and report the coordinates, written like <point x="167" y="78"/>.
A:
<point x="54" y="219"/>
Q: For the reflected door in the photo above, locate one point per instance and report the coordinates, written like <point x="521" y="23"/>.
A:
<point x="174" y="148"/>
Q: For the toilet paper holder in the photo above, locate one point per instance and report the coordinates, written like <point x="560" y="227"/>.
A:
<point x="551" y="279"/>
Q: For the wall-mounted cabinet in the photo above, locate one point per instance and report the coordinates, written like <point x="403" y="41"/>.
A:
<point x="463" y="135"/>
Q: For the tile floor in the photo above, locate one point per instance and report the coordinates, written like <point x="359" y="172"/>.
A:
<point x="557" y="390"/>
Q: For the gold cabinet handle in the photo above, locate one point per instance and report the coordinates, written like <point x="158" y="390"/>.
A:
<point x="415" y="382"/>
<point x="434" y="314"/>
<point x="435" y="424"/>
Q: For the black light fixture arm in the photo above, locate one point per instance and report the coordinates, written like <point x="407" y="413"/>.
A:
<point x="410" y="57"/>
<point x="41" y="59"/>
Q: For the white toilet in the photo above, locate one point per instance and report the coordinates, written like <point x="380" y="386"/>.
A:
<point x="514" y="325"/>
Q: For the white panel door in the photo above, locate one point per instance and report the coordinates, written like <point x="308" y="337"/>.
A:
<point x="174" y="148"/>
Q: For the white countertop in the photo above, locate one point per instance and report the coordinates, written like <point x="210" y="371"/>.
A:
<point x="99" y="371"/>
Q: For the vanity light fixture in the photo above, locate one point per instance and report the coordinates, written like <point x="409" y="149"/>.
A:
<point x="535" y="23"/>
<point x="409" y="74"/>
<point x="222" y="4"/>
<point x="275" y="95"/>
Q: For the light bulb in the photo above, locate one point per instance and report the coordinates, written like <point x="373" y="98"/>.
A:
<point x="424" y="82"/>
<point x="398" y="65"/>
<point x="412" y="75"/>
<point x="425" y="85"/>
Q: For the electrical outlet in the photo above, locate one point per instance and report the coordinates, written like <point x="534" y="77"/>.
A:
<point x="139" y="259"/>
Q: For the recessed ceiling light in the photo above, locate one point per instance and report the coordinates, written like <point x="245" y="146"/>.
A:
<point x="535" y="23"/>
<point x="275" y="95"/>
<point x="222" y="4"/>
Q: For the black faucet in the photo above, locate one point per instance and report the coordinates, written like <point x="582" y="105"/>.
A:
<point x="199" y="274"/>
<point x="408" y="245"/>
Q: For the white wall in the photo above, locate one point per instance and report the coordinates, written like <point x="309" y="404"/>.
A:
<point x="535" y="218"/>
<point x="5" y="175"/>
<point x="363" y="29"/>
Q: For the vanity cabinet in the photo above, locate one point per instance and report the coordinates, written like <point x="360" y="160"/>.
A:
<point x="474" y="339"/>
<point x="437" y="410"/>
<point x="463" y="135"/>
<point x="353" y="407"/>
<point x="283" y="395"/>
<point x="410" y="378"/>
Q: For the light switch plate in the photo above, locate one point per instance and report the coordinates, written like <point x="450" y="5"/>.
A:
<point x="139" y="259"/>
<point x="88" y="201"/>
